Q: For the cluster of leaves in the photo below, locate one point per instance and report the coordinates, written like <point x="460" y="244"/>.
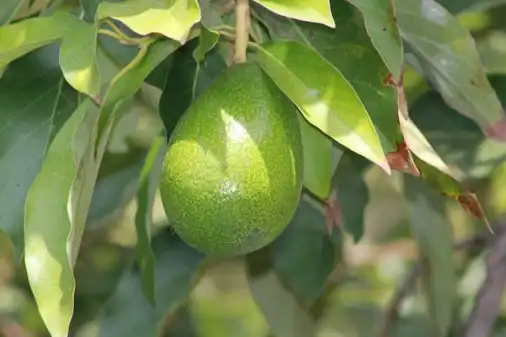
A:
<point x="73" y="70"/>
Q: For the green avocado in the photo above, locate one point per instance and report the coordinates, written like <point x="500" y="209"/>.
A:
<point x="232" y="174"/>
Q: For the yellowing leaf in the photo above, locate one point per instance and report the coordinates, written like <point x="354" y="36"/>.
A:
<point x="58" y="201"/>
<point x="317" y="11"/>
<point x="172" y="18"/>
<point x="54" y="218"/>
<point x="323" y="95"/>
<point x="78" y="58"/>
<point x="30" y="118"/>
<point x="20" y="38"/>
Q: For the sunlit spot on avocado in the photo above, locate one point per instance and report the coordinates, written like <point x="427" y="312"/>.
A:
<point x="238" y="135"/>
<point x="235" y="131"/>
<point x="228" y="187"/>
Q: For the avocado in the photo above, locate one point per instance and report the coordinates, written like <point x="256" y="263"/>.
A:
<point x="232" y="174"/>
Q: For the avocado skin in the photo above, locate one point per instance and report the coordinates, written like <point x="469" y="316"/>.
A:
<point x="232" y="174"/>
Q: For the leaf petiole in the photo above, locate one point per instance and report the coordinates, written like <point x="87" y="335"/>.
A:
<point x="231" y="37"/>
<point x="119" y="35"/>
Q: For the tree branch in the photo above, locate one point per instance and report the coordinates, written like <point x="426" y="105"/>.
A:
<point x="403" y="290"/>
<point x="241" y="30"/>
<point x="487" y="303"/>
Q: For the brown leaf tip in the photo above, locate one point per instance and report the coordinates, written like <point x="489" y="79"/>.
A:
<point x="389" y="81"/>
<point x="472" y="205"/>
<point x="402" y="160"/>
<point x="332" y="211"/>
<point x="497" y="130"/>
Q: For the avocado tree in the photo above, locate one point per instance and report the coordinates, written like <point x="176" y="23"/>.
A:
<point x="145" y="145"/>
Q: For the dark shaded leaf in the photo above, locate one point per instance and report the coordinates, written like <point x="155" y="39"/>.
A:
<point x="447" y="55"/>
<point x="116" y="185"/>
<point x="458" y="140"/>
<point x="305" y="271"/>
<point x="434" y="236"/>
<point x="286" y="316"/>
<point x="381" y="24"/>
<point x="185" y="81"/>
<point x="352" y="193"/>
<point x="149" y="179"/>
<point x="128" y="313"/>
<point x="29" y="119"/>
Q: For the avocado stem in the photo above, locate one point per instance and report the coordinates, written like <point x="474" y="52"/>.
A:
<point x="241" y="30"/>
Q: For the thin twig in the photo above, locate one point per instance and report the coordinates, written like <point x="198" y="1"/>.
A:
<point x="241" y="30"/>
<point x="488" y="300"/>
<point x="402" y="291"/>
<point x="406" y="286"/>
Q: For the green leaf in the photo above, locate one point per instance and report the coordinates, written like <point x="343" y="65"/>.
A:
<point x="323" y="95"/>
<point x="470" y="5"/>
<point x="22" y="37"/>
<point x="55" y="211"/>
<point x="145" y="198"/>
<point x="320" y="159"/>
<point x="305" y="271"/>
<point x="207" y="41"/>
<point x="8" y="10"/>
<point x="421" y="147"/>
<point x="381" y="25"/>
<point x="185" y="81"/>
<point x="282" y="310"/>
<point x="434" y="171"/>
<point x="434" y="236"/>
<point x="492" y="53"/>
<point x="352" y="193"/>
<point x="349" y="49"/>
<point x="458" y="140"/>
<point x="446" y="53"/>
<point x="74" y="155"/>
<point x="211" y="19"/>
<point x="116" y="185"/>
<point x="78" y="58"/>
<point x="29" y="119"/>
<point x="172" y="18"/>
<point x="129" y="314"/>
<point x="317" y="11"/>
<point x="130" y="79"/>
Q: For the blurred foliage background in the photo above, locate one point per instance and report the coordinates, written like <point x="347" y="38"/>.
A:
<point x="109" y="301"/>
